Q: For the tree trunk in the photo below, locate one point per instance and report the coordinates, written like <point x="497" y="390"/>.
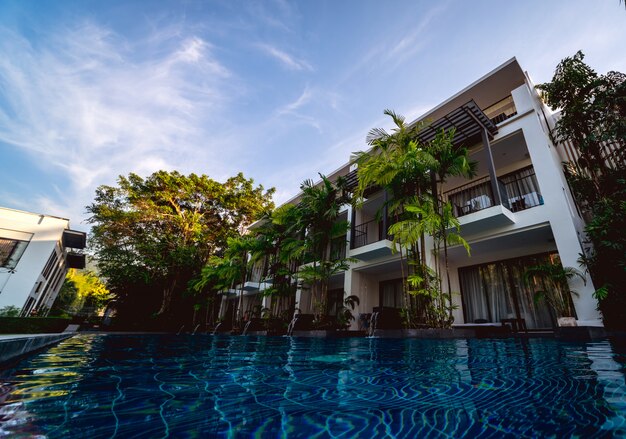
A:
<point x="168" y="293"/>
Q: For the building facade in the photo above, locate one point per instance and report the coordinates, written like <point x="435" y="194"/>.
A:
<point x="35" y="253"/>
<point x="517" y="212"/>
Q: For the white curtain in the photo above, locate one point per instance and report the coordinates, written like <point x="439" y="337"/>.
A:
<point x="490" y="292"/>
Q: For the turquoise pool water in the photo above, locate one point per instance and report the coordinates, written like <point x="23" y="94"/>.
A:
<point x="219" y="386"/>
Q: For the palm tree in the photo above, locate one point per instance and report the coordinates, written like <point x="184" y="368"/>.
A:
<point x="219" y="274"/>
<point x="450" y="160"/>
<point x="320" y="207"/>
<point x="238" y="253"/>
<point x="555" y="291"/>
<point x="414" y="173"/>
<point x="400" y="164"/>
<point x="280" y="249"/>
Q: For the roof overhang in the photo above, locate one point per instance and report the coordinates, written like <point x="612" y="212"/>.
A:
<point x="468" y="122"/>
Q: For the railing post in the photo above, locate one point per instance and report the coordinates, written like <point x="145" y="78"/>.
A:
<point x="492" y="169"/>
<point x="352" y="226"/>
<point x="385" y="235"/>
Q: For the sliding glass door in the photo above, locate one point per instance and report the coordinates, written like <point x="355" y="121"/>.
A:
<point x="495" y="291"/>
<point x="390" y="293"/>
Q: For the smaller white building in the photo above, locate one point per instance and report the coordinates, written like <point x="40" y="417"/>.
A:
<point x="35" y="253"/>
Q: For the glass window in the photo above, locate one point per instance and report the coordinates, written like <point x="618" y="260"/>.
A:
<point x="11" y="250"/>
<point x="495" y="291"/>
<point x="391" y="293"/>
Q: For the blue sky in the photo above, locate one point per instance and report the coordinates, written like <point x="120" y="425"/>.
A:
<point x="277" y="89"/>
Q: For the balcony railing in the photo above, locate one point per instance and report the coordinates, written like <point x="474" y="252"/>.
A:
<point x="501" y="110"/>
<point x="471" y="197"/>
<point x="367" y="233"/>
<point x="518" y="191"/>
<point x="522" y="189"/>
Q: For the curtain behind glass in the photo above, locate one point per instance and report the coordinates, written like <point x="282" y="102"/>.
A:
<point x="485" y="294"/>
<point x="537" y="315"/>
<point x="392" y="294"/>
<point x="489" y="293"/>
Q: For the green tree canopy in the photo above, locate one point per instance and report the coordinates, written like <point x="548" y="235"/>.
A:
<point x="593" y="119"/>
<point x="151" y="236"/>
<point x="82" y="293"/>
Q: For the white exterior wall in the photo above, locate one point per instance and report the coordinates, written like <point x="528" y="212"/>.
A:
<point x="559" y="208"/>
<point x="45" y="233"/>
<point x="558" y="213"/>
<point x="495" y="233"/>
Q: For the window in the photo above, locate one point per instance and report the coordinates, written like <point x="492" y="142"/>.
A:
<point x="391" y="292"/>
<point x="11" y="250"/>
<point x="495" y="291"/>
<point x="335" y="301"/>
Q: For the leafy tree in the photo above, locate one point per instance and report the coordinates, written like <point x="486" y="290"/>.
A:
<point x="553" y="278"/>
<point x="82" y="293"/>
<point x="593" y="118"/>
<point x="10" y="311"/>
<point x="413" y="173"/>
<point x="152" y="236"/>
<point x="320" y="206"/>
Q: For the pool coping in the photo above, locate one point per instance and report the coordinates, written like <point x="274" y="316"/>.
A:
<point x="16" y="346"/>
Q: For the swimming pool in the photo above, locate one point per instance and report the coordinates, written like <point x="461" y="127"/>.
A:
<point x="221" y="386"/>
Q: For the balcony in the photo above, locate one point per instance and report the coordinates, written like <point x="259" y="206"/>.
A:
<point x="519" y="191"/>
<point x="367" y="233"/>
<point x="74" y="239"/>
<point x="501" y="110"/>
<point x="474" y="204"/>
<point x="75" y="260"/>
<point x="370" y="240"/>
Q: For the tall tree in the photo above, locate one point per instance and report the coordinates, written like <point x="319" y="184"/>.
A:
<point x="593" y="119"/>
<point x="280" y="249"/>
<point x="151" y="236"/>
<point x="399" y="163"/>
<point x="413" y="173"/>
<point x="82" y="293"/>
<point x="320" y="208"/>
<point x="450" y="161"/>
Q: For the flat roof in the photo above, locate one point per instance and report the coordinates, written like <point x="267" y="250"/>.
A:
<point x="482" y="93"/>
<point x="33" y="213"/>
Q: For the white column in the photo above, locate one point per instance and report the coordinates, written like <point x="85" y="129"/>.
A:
<point x="561" y="217"/>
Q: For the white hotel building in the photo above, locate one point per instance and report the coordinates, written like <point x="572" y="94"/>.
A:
<point x="35" y="253"/>
<point x="516" y="211"/>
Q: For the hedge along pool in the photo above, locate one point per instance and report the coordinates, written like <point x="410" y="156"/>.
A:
<point x="222" y="386"/>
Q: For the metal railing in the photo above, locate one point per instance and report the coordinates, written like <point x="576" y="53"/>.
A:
<point x="522" y="189"/>
<point x="367" y="233"/>
<point x="471" y="197"/>
<point x="518" y="191"/>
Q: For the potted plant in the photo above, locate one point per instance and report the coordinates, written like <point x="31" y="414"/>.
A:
<point x="552" y="279"/>
<point x="344" y="313"/>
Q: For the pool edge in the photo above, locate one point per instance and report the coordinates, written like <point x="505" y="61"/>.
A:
<point x="19" y="346"/>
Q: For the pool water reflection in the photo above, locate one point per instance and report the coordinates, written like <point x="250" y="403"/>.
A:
<point x="221" y="386"/>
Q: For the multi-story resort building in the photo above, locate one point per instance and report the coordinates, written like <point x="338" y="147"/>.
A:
<point x="517" y="211"/>
<point x="35" y="253"/>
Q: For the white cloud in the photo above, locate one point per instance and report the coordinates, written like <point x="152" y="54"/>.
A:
<point x="289" y="61"/>
<point x="302" y="100"/>
<point x="91" y="105"/>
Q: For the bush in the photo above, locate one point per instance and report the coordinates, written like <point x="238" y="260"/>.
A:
<point x="9" y="311"/>
<point x="32" y="325"/>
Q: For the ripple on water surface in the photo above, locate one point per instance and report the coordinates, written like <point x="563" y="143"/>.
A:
<point x="219" y="386"/>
